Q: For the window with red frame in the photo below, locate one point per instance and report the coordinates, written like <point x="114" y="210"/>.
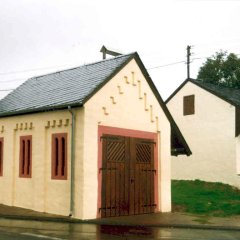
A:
<point x="25" y="161"/>
<point x="1" y="156"/>
<point x="59" y="156"/>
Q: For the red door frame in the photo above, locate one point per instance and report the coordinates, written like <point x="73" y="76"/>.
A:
<point x="127" y="133"/>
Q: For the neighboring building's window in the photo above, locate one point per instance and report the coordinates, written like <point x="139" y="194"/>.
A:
<point x="238" y="155"/>
<point x="1" y="156"/>
<point x="25" y="161"/>
<point x="237" y="119"/>
<point x="188" y="105"/>
<point x="59" y="156"/>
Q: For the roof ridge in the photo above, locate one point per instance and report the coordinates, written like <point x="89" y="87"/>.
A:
<point x="228" y="94"/>
<point x="68" y="69"/>
<point x="86" y="87"/>
<point x="87" y="64"/>
<point x="212" y="84"/>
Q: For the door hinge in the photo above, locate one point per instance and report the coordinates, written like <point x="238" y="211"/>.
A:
<point x="149" y="170"/>
<point x="148" y="142"/>
<point x="150" y="205"/>
<point x="106" y="169"/>
<point x="106" y="208"/>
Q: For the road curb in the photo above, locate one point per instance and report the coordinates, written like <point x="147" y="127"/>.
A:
<point x="99" y="222"/>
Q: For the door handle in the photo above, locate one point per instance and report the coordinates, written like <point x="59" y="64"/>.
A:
<point x="132" y="180"/>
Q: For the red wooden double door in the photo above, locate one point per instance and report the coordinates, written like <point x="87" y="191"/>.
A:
<point x="127" y="176"/>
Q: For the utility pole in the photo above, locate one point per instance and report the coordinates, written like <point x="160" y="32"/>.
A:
<point x="188" y="60"/>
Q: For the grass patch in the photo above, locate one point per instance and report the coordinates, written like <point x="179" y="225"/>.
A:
<point x="199" y="197"/>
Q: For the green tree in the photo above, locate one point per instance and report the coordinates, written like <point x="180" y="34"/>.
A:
<point x="221" y="69"/>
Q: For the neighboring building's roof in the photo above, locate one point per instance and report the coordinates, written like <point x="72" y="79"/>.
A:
<point x="73" y="87"/>
<point x="230" y="95"/>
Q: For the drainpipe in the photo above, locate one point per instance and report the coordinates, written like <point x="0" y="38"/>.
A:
<point x="72" y="163"/>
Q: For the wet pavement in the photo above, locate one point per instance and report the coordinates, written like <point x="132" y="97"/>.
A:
<point x="18" y="223"/>
<point x="176" y="219"/>
<point x="33" y="230"/>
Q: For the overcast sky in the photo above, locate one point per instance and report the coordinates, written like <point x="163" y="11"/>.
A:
<point x="41" y="36"/>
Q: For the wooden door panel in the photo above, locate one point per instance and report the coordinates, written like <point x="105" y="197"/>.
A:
<point x="127" y="176"/>
<point x="137" y="190"/>
<point x="114" y="176"/>
<point x="144" y="176"/>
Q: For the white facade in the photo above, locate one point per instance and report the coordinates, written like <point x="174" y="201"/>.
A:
<point x="126" y="101"/>
<point x="210" y="133"/>
<point x="132" y="106"/>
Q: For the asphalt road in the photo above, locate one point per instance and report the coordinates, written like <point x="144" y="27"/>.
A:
<point x="33" y="230"/>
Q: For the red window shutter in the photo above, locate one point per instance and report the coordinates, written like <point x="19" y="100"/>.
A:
<point x="25" y="159"/>
<point x="59" y="156"/>
<point x="1" y="156"/>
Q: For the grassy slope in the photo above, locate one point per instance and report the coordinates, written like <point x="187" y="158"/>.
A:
<point x="214" y="199"/>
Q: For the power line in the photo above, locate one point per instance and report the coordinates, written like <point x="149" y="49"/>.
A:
<point x="66" y="65"/>
<point x="21" y="79"/>
<point x="199" y="58"/>
<point x="13" y="80"/>
<point x="6" y="90"/>
<point x="16" y="80"/>
<point x="165" y="65"/>
<point x="36" y="69"/>
<point x="31" y="70"/>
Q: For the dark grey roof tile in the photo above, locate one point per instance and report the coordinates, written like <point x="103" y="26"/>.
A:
<point x="74" y="87"/>
<point x="231" y="95"/>
<point x="68" y="87"/>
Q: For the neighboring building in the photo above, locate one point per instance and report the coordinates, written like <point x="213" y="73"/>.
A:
<point x="92" y="141"/>
<point x="209" y="117"/>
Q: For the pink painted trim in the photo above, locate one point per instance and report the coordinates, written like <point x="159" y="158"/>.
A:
<point x="1" y="156"/>
<point x="128" y="133"/>
<point x="58" y="176"/>
<point x="23" y="168"/>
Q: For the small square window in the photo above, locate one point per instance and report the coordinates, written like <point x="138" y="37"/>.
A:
<point x="25" y="159"/>
<point x="188" y="105"/>
<point x="1" y="156"/>
<point x="59" y="156"/>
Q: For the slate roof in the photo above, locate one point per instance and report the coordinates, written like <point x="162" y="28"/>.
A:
<point x="73" y="87"/>
<point x="230" y="95"/>
<point x="70" y="87"/>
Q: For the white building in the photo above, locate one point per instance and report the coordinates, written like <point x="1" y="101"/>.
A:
<point x="90" y="142"/>
<point x="209" y="118"/>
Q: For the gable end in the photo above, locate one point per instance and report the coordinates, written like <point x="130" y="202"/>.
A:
<point x="179" y="145"/>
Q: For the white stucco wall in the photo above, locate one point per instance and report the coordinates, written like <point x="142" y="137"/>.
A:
<point x="133" y="106"/>
<point x="40" y="192"/>
<point x="126" y="110"/>
<point x="210" y="133"/>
